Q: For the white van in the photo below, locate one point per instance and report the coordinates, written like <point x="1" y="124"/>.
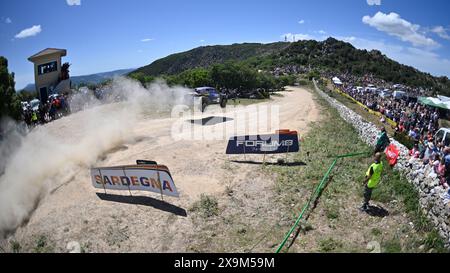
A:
<point x="443" y="135"/>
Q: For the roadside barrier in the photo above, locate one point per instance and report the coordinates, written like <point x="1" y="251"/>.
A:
<point x="315" y="196"/>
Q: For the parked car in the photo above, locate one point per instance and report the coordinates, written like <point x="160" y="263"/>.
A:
<point x="443" y="134"/>
<point x="34" y="105"/>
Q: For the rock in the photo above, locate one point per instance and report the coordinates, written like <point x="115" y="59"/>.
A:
<point x="73" y="247"/>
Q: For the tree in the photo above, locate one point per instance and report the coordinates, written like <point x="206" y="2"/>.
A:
<point x="9" y="102"/>
<point x="196" y="77"/>
<point x="65" y="71"/>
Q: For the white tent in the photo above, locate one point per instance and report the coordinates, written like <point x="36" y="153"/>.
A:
<point x="337" y="81"/>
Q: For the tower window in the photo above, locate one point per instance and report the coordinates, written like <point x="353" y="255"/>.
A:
<point x="47" y="68"/>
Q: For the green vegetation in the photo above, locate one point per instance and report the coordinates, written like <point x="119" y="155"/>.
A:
<point x="230" y="75"/>
<point x="15" y="246"/>
<point x="9" y="100"/>
<point x="376" y="232"/>
<point x="404" y="139"/>
<point x="330" y="245"/>
<point x="42" y="245"/>
<point x="206" y="56"/>
<point x="330" y="55"/>
<point x="207" y="206"/>
<point x="392" y="246"/>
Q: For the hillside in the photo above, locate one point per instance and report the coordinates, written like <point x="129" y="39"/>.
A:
<point x="330" y="55"/>
<point x="206" y="56"/>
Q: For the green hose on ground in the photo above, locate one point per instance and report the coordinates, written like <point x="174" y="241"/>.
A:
<point x="315" y="196"/>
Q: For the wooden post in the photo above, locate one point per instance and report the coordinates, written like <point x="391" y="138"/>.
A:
<point x="129" y="190"/>
<point x="160" y="184"/>
<point x="103" y="182"/>
<point x="287" y="154"/>
<point x="245" y="154"/>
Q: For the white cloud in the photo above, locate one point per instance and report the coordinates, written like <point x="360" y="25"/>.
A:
<point x="394" y="25"/>
<point x="8" y="20"/>
<point x="442" y="32"/>
<point x="73" y="2"/>
<point x="348" y="39"/>
<point x="301" y="22"/>
<point x="424" y="60"/>
<point x="374" y="2"/>
<point x="202" y="41"/>
<point x="147" y="40"/>
<point x="322" y="32"/>
<point x="32" y="31"/>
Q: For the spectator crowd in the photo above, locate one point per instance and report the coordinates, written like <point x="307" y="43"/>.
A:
<point x="418" y="122"/>
<point x="55" y="107"/>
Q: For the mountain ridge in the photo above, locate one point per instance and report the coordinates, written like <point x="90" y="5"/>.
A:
<point x="330" y="55"/>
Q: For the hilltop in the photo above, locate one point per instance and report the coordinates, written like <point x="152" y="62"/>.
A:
<point x="205" y="56"/>
<point x="330" y="55"/>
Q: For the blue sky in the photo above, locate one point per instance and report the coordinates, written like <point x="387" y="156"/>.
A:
<point x="104" y="35"/>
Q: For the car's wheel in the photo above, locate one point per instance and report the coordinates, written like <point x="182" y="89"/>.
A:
<point x="203" y="104"/>
<point x="223" y="102"/>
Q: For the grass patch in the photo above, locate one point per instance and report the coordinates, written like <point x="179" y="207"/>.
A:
<point x="15" y="246"/>
<point x="395" y="187"/>
<point x="392" y="246"/>
<point x="43" y="245"/>
<point x="434" y="242"/>
<point x="332" y="211"/>
<point x="376" y="232"/>
<point x="207" y="206"/>
<point x="330" y="245"/>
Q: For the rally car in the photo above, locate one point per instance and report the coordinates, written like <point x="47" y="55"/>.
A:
<point x="204" y="96"/>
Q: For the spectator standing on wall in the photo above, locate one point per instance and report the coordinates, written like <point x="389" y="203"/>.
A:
<point x="382" y="141"/>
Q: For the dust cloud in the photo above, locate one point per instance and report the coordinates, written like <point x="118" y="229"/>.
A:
<point x="35" y="163"/>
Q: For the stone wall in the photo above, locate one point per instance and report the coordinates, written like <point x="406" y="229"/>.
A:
<point x="422" y="177"/>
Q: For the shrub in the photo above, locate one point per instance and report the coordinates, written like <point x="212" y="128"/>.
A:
<point x="207" y="206"/>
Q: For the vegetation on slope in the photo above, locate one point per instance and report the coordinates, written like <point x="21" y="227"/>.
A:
<point x="205" y="56"/>
<point x="229" y="75"/>
<point x="330" y="55"/>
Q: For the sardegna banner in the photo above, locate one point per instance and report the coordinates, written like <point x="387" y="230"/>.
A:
<point x="153" y="178"/>
<point x="283" y="141"/>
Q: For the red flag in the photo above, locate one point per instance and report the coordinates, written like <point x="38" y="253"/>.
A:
<point x="392" y="154"/>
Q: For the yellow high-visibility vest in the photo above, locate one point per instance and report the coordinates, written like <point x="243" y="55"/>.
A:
<point x="376" y="176"/>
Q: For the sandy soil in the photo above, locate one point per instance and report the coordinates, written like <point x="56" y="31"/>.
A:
<point x="75" y="211"/>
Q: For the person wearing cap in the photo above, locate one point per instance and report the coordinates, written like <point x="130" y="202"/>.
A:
<point x="372" y="180"/>
<point x="382" y="140"/>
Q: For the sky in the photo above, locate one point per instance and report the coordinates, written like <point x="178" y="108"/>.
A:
<point x="105" y="35"/>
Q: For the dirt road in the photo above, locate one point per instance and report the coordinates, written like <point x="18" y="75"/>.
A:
<point x="73" y="210"/>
